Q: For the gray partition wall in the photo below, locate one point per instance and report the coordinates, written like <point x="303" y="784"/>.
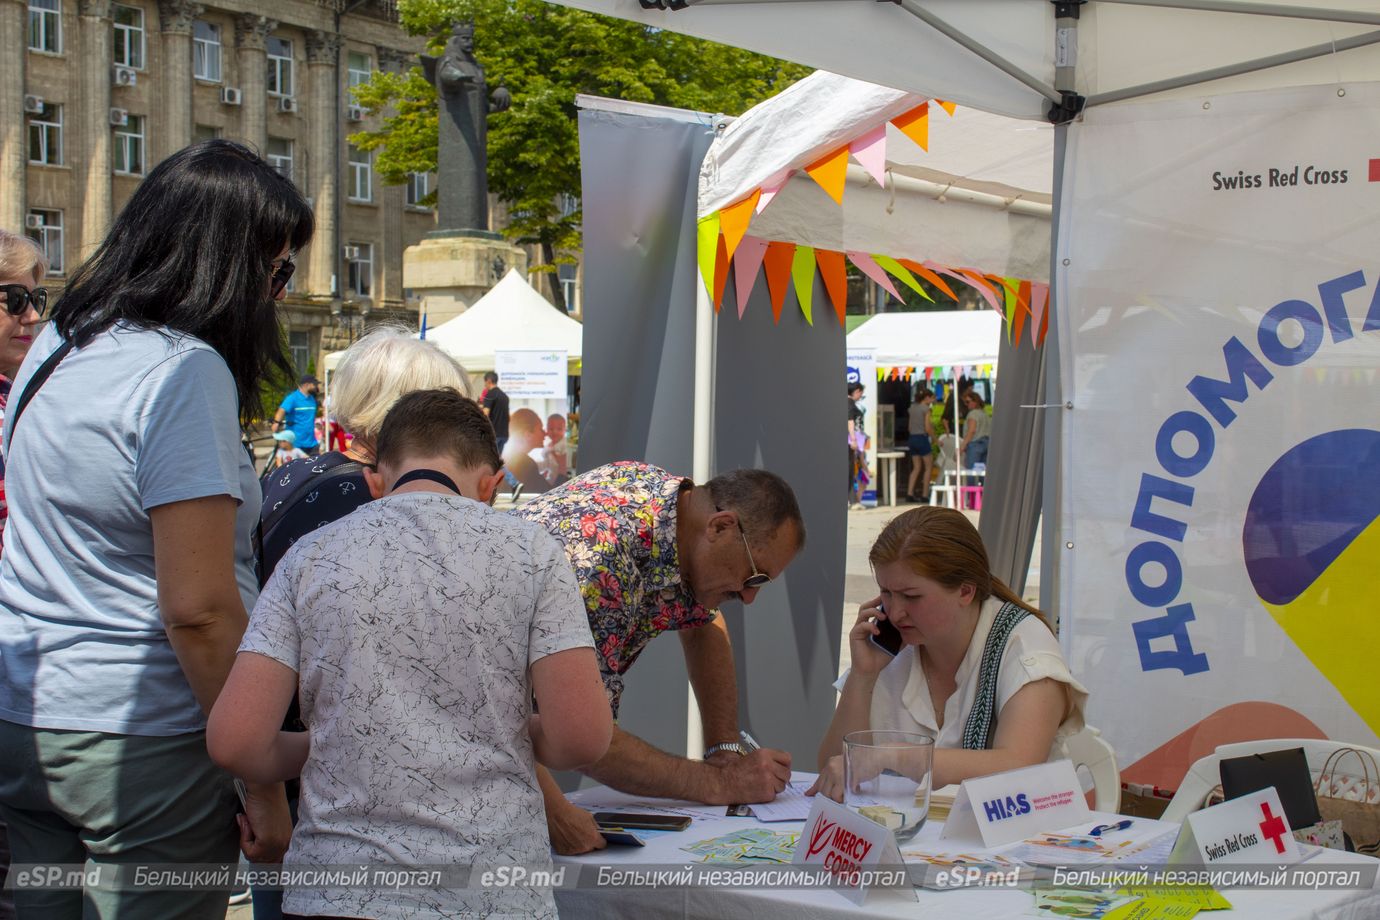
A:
<point x="779" y="404"/>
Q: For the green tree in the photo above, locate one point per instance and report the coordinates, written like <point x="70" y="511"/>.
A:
<point x="546" y="54"/>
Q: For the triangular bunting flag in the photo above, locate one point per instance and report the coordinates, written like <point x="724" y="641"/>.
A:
<point x="915" y="125"/>
<point x="982" y="286"/>
<point x="872" y="270"/>
<point x="1044" y="324"/>
<point x="901" y="272"/>
<point x="1022" y="311"/>
<point x="831" y="172"/>
<point x="929" y="276"/>
<point x="929" y="374"/>
<point x="1039" y="294"/>
<point x="747" y="262"/>
<point x="870" y="151"/>
<point x="1010" y="313"/>
<point x="778" y="263"/>
<point x="720" y="273"/>
<point x="803" y="273"/>
<point x="733" y="221"/>
<point x="834" y="270"/>
<point x="946" y="106"/>
<point x="707" y="242"/>
<point x="772" y="186"/>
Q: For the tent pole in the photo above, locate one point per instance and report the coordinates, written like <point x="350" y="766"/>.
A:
<point x="1233" y="70"/>
<point x="701" y="458"/>
<point x="1260" y="9"/>
<point x="977" y="48"/>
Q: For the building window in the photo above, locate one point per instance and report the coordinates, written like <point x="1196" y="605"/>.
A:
<point x="204" y="133"/>
<point x="129" y="146"/>
<point x="45" y="136"/>
<point x="280" y="155"/>
<point x="299" y="343"/>
<point x="279" y="67"/>
<point x="361" y="177"/>
<point x="360" y="275"/>
<point x="567" y="203"/>
<point x="45" y="25"/>
<point x="360" y="68"/>
<point x="418" y="187"/>
<point x="206" y="51"/>
<point x="570" y="286"/>
<point x="129" y="36"/>
<point x="49" y="237"/>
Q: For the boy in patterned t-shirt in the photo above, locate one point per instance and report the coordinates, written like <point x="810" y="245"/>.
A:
<point x="418" y="628"/>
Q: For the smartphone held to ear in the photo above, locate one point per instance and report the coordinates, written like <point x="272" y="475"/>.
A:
<point x="888" y="637"/>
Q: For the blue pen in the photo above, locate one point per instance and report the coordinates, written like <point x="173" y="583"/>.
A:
<point x="1108" y="828"/>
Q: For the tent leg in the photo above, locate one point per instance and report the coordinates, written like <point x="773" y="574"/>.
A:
<point x="701" y="454"/>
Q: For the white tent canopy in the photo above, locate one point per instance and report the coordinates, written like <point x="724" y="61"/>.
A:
<point x="512" y="316"/>
<point x="980" y="197"/>
<point x="940" y="339"/>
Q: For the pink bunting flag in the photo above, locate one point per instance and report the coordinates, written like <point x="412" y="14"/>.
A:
<point x="983" y="289"/>
<point x="747" y="263"/>
<point x="871" y="269"/>
<point x="773" y="185"/>
<point x="1039" y="298"/>
<point x="870" y="151"/>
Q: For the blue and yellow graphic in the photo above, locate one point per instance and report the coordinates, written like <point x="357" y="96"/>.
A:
<point x="1312" y="550"/>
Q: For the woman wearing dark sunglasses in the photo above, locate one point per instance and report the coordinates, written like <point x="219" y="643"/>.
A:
<point x="22" y="268"/>
<point x="128" y="566"/>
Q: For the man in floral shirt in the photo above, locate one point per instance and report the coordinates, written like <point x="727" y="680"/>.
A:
<point x="654" y="552"/>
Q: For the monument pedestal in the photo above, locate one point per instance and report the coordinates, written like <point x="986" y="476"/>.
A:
<point x="451" y="269"/>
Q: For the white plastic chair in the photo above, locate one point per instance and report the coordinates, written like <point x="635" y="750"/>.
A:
<point x="1205" y="775"/>
<point x="1089" y="750"/>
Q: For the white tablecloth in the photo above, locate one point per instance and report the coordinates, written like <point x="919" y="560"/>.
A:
<point x="662" y="904"/>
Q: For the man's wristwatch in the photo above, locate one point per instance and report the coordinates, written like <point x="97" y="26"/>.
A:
<point x="733" y="747"/>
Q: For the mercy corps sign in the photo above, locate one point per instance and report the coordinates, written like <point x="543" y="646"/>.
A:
<point x="848" y="845"/>
<point x="1221" y="485"/>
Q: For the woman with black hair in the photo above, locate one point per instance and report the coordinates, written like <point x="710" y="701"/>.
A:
<point x="128" y="565"/>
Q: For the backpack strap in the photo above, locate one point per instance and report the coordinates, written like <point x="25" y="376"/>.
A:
<point x="982" y="719"/>
<point x="45" y="370"/>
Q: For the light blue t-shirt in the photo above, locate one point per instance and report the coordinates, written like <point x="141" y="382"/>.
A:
<point x="301" y="417"/>
<point x="134" y="420"/>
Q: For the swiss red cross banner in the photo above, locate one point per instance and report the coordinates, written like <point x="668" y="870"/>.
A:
<point x="1219" y="274"/>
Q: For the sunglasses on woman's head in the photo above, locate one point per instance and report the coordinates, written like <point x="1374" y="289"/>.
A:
<point x="18" y="298"/>
<point x="281" y="276"/>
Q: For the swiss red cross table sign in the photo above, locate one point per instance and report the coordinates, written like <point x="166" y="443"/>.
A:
<point x="1249" y="829"/>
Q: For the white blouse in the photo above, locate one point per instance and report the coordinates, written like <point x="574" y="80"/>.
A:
<point x="901" y="699"/>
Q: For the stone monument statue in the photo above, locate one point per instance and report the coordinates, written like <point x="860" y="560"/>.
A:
<point x="458" y="262"/>
<point x="462" y="161"/>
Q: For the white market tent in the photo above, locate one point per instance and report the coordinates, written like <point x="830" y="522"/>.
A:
<point x="942" y="339"/>
<point x="512" y="316"/>
<point x="980" y="196"/>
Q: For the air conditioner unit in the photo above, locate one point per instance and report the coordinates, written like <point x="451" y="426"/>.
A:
<point x="229" y="95"/>
<point x="33" y="222"/>
<point x="352" y="253"/>
<point x="287" y="105"/>
<point x="355" y="113"/>
<point x="124" y="76"/>
<point x="33" y="105"/>
<point x="119" y="117"/>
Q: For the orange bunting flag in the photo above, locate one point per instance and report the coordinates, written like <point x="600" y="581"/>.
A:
<point x="929" y="276"/>
<point x="982" y="286"/>
<point x="720" y="274"/>
<point x="834" y="270"/>
<point x="915" y="125"/>
<point x="831" y="172"/>
<point x="778" y="264"/>
<point x="946" y="106"/>
<point x="734" y="219"/>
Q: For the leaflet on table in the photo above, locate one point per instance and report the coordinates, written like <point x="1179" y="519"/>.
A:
<point x="789" y="805"/>
<point x="600" y="798"/>
<point x="1076" y="845"/>
<point x="1075" y="902"/>
<point x="753" y="845"/>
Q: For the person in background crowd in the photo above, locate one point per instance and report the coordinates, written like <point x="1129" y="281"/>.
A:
<point x="857" y="446"/>
<point x="977" y="427"/>
<point x="921" y="433"/>
<point x="418" y="689"/>
<point x="298" y="413"/>
<point x="127" y="570"/>
<point x="22" y="268"/>
<point x="285" y="449"/>
<point x="495" y="404"/>
<point x="980" y="670"/>
<point x="655" y="552"/>
<point x="386" y="364"/>
<point x="526" y="439"/>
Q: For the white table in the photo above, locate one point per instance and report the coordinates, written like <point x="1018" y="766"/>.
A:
<point x="887" y="461"/>
<point x="666" y="903"/>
